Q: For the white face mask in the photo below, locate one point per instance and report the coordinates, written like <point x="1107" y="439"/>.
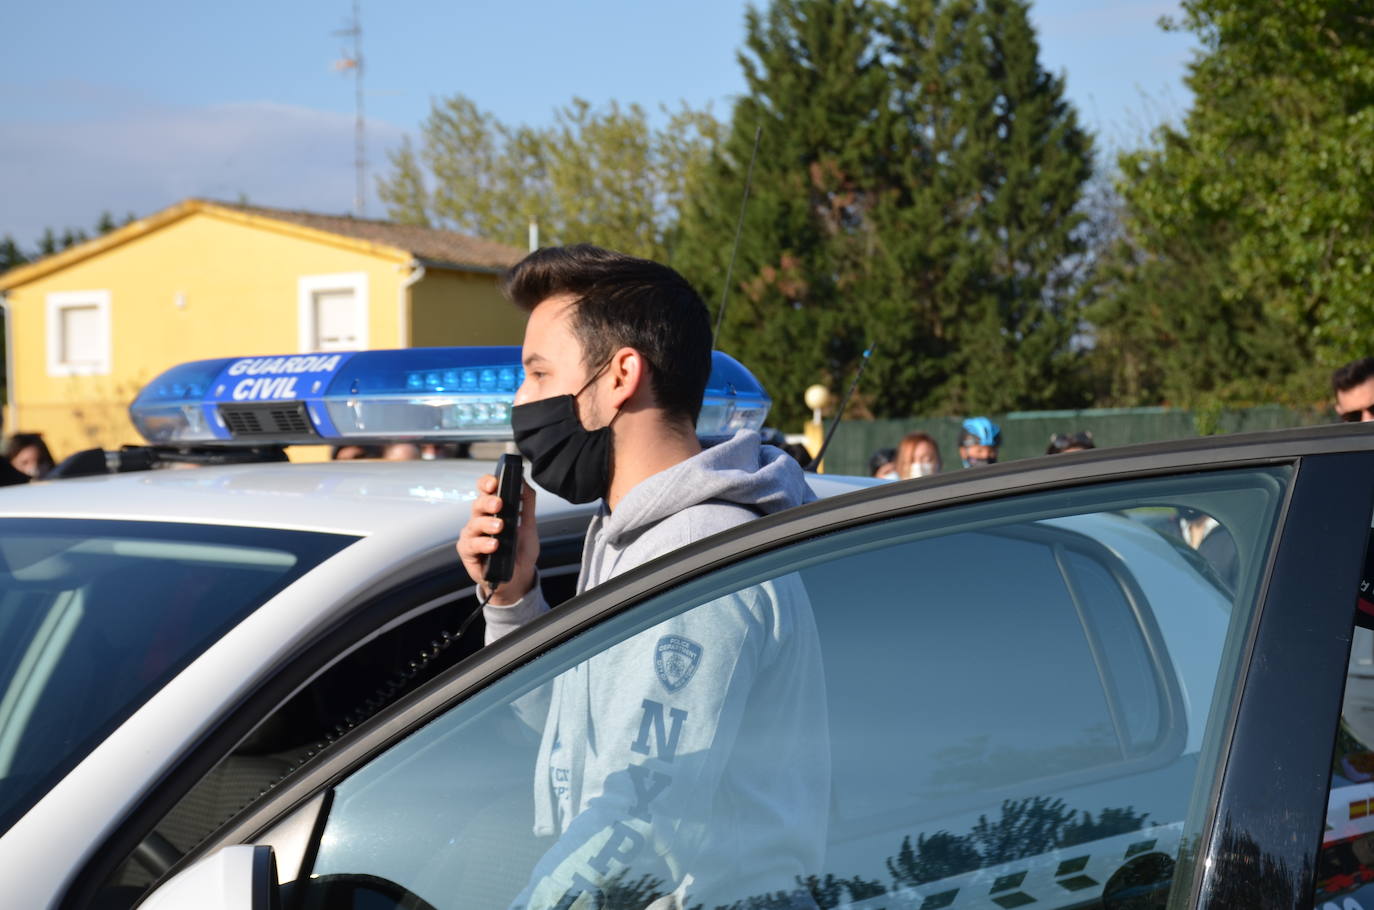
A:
<point x="889" y="475"/>
<point x="922" y="469"/>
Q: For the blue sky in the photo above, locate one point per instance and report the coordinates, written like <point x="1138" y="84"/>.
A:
<point x="131" y="107"/>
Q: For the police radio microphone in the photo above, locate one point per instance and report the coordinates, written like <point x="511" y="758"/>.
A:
<point x="509" y="486"/>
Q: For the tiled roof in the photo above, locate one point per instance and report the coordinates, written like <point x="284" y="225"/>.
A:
<point x="422" y="242"/>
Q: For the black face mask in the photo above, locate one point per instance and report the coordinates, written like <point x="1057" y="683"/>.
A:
<point x="565" y="457"/>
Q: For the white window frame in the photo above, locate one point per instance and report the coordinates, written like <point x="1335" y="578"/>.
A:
<point x="307" y="286"/>
<point x="58" y="301"/>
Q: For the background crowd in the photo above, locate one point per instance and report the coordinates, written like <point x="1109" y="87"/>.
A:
<point x="25" y="456"/>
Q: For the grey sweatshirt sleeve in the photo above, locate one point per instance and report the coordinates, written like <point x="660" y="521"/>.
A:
<point x="504" y="620"/>
<point x="669" y="726"/>
<point x="532" y="708"/>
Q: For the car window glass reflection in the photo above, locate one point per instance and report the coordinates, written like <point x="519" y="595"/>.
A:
<point x="77" y="602"/>
<point x="1345" y="865"/>
<point x="1012" y="695"/>
<point x="1200" y="536"/>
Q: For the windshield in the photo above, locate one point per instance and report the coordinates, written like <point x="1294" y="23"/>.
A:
<point x="96" y="616"/>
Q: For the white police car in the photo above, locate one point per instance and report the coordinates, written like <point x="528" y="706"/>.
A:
<point x="172" y="642"/>
<point x="1040" y="689"/>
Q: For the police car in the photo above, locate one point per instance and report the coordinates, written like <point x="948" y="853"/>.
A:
<point x="1040" y="689"/>
<point x="173" y="642"/>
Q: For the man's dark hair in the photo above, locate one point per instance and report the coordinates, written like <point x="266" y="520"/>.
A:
<point x="1357" y="372"/>
<point x="622" y="301"/>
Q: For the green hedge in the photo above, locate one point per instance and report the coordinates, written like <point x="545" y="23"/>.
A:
<point x="1026" y="434"/>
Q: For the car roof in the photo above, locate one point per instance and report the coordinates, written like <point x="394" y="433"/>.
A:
<point x="346" y="497"/>
<point x="368" y="497"/>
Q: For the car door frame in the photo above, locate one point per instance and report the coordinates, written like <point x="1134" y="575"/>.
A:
<point x="1259" y="838"/>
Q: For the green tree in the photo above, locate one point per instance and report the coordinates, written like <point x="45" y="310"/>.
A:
<point x="605" y="176"/>
<point x="817" y="100"/>
<point x="10" y="254"/>
<point x="52" y="241"/>
<point x="1245" y="273"/>
<point x="984" y="224"/>
<point x="72" y="236"/>
<point x="916" y="186"/>
<point x="938" y="856"/>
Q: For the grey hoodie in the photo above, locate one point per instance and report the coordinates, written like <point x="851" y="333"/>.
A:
<point x="697" y="751"/>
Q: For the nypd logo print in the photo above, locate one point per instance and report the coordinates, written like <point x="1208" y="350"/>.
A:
<point x="675" y="661"/>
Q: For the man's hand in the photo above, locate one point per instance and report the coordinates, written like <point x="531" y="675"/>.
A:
<point x="475" y="542"/>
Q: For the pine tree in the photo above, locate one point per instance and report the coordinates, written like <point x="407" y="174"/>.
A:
<point x="10" y="254"/>
<point x="916" y="187"/>
<point x="977" y="236"/>
<point x="816" y="97"/>
<point x="71" y="237"/>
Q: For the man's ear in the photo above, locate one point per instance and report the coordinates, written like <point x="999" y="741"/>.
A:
<point x="629" y="373"/>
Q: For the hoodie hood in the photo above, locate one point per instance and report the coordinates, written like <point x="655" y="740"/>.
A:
<point x="740" y="471"/>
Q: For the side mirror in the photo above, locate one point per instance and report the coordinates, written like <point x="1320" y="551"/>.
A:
<point x="242" y="877"/>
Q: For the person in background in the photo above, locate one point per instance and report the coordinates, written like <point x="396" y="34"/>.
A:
<point x="434" y="451"/>
<point x="917" y="456"/>
<point x="881" y="464"/>
<point x="1353" y="385"/>
<point x="402" y="451"/>
<point x="354" y="452"/>
<point x="9" y="474"/>
<point x="1070" y="442"/>
<point x="28" y="453"/>
<point x="979" y="441"/>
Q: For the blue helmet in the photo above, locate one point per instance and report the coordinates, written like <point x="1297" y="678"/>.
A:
<point x="979" y="431"/>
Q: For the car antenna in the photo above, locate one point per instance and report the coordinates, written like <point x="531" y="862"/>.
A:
<point x="839" y="414"/>
<point x="739" y="227"/>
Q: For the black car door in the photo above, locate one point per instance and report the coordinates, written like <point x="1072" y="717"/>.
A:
<point x="1111" y="680"/>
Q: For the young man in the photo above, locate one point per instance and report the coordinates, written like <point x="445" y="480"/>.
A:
<point x="1353" y="385"/>
<point x="695" y="754"/>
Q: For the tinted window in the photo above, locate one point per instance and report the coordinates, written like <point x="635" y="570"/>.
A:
<point x="1003" y="603"/>
<point x="994" y="705"/>
<point x="96" y="616"/>
<point x="1130" y="677"/>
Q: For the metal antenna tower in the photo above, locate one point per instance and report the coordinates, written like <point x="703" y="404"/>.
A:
<point x="354" y="62"/>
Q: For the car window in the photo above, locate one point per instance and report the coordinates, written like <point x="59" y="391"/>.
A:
<point x="997" y="704"/>
<point x="1345" y="865"/>
<point x="405" y="636"/>
<point x="96" y="616"/>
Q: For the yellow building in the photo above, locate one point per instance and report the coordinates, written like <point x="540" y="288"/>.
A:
<point x="88" y="327"/>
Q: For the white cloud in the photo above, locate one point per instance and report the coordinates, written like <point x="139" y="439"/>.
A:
<point x="140" y="159"/>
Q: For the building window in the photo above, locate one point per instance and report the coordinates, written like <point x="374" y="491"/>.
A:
<point x="79" y="333"/>
<point x="333" y="312"/>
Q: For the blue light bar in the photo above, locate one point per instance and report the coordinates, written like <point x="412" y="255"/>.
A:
<point x="172" y="408"/>
<point x="441" y="394"/>
<point x="734" y="400"/>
